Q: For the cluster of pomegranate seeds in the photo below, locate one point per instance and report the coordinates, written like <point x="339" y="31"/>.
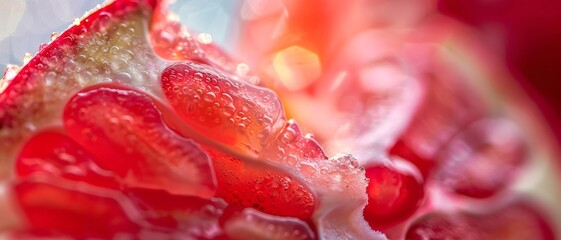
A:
<point x="129" y="126"/>
<point x="400" y="89"/>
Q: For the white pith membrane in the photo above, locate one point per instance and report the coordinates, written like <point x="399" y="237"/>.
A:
<point x="120" y="52"/>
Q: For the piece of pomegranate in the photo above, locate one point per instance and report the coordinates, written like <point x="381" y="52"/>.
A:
<point x="516" y="220"/>
<point x="483" y="159"/>
<point x="54" y="154"/>
<point x="124" y="129"/>
<point x="177" y="214"/>
<point x="445" y="110"/>
<point x="395" y="191"/>
<point x="272" y="192"/>
<point x="252" y="224"/>
<point x="54" y="206"/>
<point x="254" y="151"/>
<point x="232" y="112"/>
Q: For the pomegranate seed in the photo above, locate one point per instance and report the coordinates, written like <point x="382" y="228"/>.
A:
<point x="444" y="112"/>
<point x="53" y="206"/>
<point x="124" y="130"/>
<point x="252" y="224"/>
<point x="516" y="220"/>
<point x="270" y="191"/>
<point x="402" y="150"/>
<point x="440" y="226"/>
<point x="171" y="41"/>
<point x="186" y="214"/>
<point x="232" y="112"/>
<point x="291" y="147"/>
<point x="56" y="155"/>
<point x="483" y="159"/>
<point x="394" y="193"/>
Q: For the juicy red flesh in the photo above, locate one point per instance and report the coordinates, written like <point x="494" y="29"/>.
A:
<point x="172" y="42"/>
<point x="54" y="154"/>
<point x="188" y="214"/>
<point x="125" y="131"/>
<point x="232" y="112"/>
<point x="482" y="160"/>
<point x="252" y="224"/>
<point x="444" y="111"/>
<point x="249" y="186"/>
<point x="394" y="193"/>
<point x="290" y="146"/>
<point x="518" y="220"/>
<point x="122" y="131"/>
<point x="402" y="150"/>
<point x="76" y="209"/>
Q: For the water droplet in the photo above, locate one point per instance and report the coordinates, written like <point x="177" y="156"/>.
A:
<point x="87" y="132"/>
<point x="66" y="157"/>
<point x="50" y="78"/>
<point x="27" y="57"/>
<point x="226" y="98"/>
<point x="261" y="196"/>
<point x="123" y="77"/>
<point x="209" y="97"/>
<point x="198" y="76"/>
<point x="308" y="169"/>
<point x="291" y="159"/>
<point x="288" y="136"/>
<point x="54" y="36"/>
<point x="241" y="127"/>
<point x="204" y="38"/>
<point x="242" y="69"/>
<point x="114" y="50"/>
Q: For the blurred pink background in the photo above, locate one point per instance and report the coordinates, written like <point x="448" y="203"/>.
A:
<point x="527" y="35"/>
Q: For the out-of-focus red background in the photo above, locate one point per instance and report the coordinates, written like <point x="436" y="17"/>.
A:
<point x="527" y="35"/>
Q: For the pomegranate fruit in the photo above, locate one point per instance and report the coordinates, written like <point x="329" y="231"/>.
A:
<point x="126" y="125"/>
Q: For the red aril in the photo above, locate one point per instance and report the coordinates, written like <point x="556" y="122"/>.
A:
<point x="172" y="41"/>
<point x="395" y="191"/>
<point x="252" y="224"/>
<point x="439" y="226"/>
<point x="274" y="192"/>
<point x="187" y="215"/>
<point x="444" y="111"/>
<point x="54" y="154"/>
<point x="80" y="210"/>
<point x="290" y="146"/>
<point x="483" y="159"/>
<point x="229" y="111"/>
<point x="515" y="220"/>
<point x="124" y="130"/>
